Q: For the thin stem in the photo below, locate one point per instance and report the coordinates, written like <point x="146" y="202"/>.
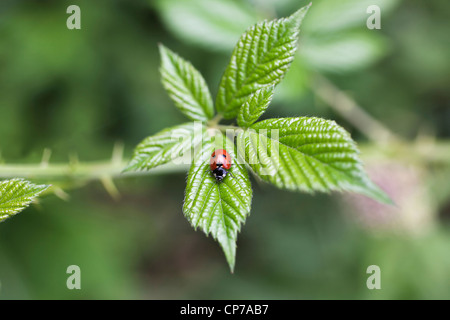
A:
<point x="215" y="121"/>
<point x="227" y="127"/>
<point x="86" y="171"/>
<point x="77" y="173"/>
<point x="352" y="112"/>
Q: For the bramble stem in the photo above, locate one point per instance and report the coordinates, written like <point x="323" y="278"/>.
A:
<point x="226" y="127"/>
<point x="420" y="151"/>
<point x="214" y="122"/>
<point x="86" y="171"/>
<point x="352" y="112"/>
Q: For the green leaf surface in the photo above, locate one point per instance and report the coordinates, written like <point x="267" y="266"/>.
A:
<point x="167" y="145"/>
<point x="216" y="208"/>
<point x="331" y="16"/>
<point x="343" y="52"/>
<point x="185" y="86"/>
<point x="16" y="195"/>
<point x="306" y="154"/>
<point x="255" y="106"/>
<point x="213" y="24"/>
<point x="261" y="58"/>
<point x="336" y="38"/>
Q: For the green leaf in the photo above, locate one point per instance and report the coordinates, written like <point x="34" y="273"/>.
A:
<point x="261" y="58"/>
<point x="216" y="208"/>
<point x="331" y="16"/>
<point x="343" y="52"/>
<point x="306" y="154"/>
<point x="185" y="86"/>
<point x="255" y="106"/>
<point x="16" y="195"/>
<point x="336" y="37"/>
<point x="167" y="145"/>
<point x="212" y="24"/>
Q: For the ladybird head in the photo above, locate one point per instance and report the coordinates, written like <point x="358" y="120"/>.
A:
<point x="220" y="173"/>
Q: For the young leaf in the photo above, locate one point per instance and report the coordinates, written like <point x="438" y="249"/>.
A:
<point x="306" y="154"/>
<point x="165" y="146"/>
<point x="261" y="58"/>
<point x="255" y="106"/>
<point x="185" y="86"/>
<point x="218" y="208"/>
<point x="16" y="195"/>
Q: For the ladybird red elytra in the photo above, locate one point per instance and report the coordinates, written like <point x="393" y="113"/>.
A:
<point x="220" y="163"/>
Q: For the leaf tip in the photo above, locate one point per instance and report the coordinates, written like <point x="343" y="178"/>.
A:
<point x="164" y="53"/>
<point x="378" y="194"/>
<point x="229" y="248"/>
<point x="231" y="262"/>
<point x="17" y="194"/>
<point x="300" y="13"/>
<point x="161" y="47"/>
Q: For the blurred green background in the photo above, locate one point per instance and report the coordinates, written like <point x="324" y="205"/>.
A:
<point x="82" y="91"/>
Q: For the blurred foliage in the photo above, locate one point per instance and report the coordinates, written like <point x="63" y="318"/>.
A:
<point x="80" y="91"/>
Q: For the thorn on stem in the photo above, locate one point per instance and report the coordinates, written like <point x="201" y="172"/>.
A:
<point x="110" y="187"/>
<point x="46" y="157"/>
<point x="117" y="154"/>
<point x="60" y="193"/>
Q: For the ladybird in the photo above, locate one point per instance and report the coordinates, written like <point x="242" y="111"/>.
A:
<point x="220" y="163"/>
